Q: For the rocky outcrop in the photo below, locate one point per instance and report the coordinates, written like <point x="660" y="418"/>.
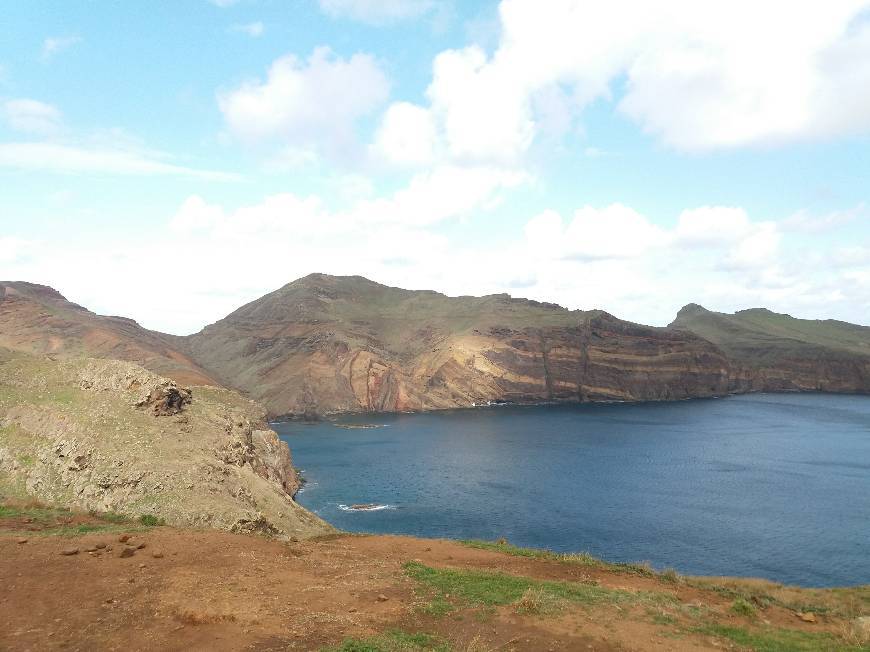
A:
<point x="108" y="435"/>
<point x="161" y="396"/>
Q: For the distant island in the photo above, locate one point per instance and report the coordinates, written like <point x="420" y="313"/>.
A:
<point x="335" y="344"/>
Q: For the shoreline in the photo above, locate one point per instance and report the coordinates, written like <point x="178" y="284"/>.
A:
<point x="334" y="416"/>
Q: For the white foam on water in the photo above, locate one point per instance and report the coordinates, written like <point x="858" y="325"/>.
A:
<point x="367" y="508"/>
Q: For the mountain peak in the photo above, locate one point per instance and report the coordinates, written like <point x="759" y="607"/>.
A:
<point x="691" y="310"/>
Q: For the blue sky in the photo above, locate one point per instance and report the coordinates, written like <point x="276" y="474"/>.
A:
<point x="620" y="156"/>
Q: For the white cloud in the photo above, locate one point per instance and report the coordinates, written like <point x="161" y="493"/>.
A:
<point x="442" y="193"/>
<point x="406" y="135"/>
<point x="32" y="116"/>
<point x="697" y="76"/>
<point x="612" y="232"/>
<point x="712" y="225"/>
<point x="54" y="45"/>
<point x="51" y="157"/>
<point x="254" y="30"/>
<point x="14" y="249"/>
<point x="629" y="266"/>
<point x="484" y="108"/>
<point x="810" y="223"/>
<point x="434" y="196"/>
<point x="376" y="11"/>
<point x="757" y="250"/>
<point x="311" y="103"/>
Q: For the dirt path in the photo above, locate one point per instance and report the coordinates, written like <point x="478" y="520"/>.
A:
<point x="207" y="590"/>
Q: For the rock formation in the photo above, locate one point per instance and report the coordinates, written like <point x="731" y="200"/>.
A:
<point x="325" y="344"/>
<point x="108" y="435"/>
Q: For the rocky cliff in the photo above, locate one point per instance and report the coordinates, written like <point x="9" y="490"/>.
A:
<point x="108" y="435"/>
<point x="774" y="352"/>
<point x="325" y="344"/>
<point x="330" y="344"/>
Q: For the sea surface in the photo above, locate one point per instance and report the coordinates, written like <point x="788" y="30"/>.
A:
<point x="774" y="486"/>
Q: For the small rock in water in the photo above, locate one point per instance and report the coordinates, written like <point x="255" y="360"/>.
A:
<point x="69" y="551"/>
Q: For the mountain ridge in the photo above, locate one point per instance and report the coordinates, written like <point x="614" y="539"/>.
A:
<point x="326" y="344"/>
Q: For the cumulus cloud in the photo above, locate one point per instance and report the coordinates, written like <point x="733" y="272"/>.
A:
<point x="612" y="232"/>
<point x="712" y="225"/>
<point x="430" y="197"/>
<point x="54" y="45"/>
<point x="306" y="103"/>
<point x="696" y="76"/>
<point x="406" y="135"/>
<point x="376" y="11"/>
<point x="32" y="116"/>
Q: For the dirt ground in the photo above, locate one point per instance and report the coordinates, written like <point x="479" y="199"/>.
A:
<point x="209" y="590"/>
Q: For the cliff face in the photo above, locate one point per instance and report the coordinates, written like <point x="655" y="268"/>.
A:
<point x="325" y="344"/>
<point x="104" y="435"/>
<point x="775" y="352"/>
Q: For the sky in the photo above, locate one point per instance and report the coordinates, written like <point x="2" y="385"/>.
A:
<point x="170" y="161"/>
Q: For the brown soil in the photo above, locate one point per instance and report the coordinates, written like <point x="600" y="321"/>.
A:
<point x="209" y="590"/>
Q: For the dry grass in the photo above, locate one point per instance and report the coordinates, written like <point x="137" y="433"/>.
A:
<point x="477" y="644"/>
<point x="538" y="601"/>
<point x="857" y="632"/>
<point x="198" y="617"/>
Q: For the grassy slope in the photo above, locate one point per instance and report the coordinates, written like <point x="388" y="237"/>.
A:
<point x="758" y="336"/>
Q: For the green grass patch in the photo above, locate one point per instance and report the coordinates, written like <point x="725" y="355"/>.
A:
<point x="151" y="521"/>
<point x="393" y="641"/>
<point x="743" y="607"/>
<point x="760" y="599"/>
<point x="9" y="512"/>
<point x="661" y="618"/>
<point x="110" y="517"/>
<point x="579" y="558"/>
<point x="483" y="588"/>
<point x="780" y="640"/>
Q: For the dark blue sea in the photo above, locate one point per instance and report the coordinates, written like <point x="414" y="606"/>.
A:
<point x="773" y="486"/>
